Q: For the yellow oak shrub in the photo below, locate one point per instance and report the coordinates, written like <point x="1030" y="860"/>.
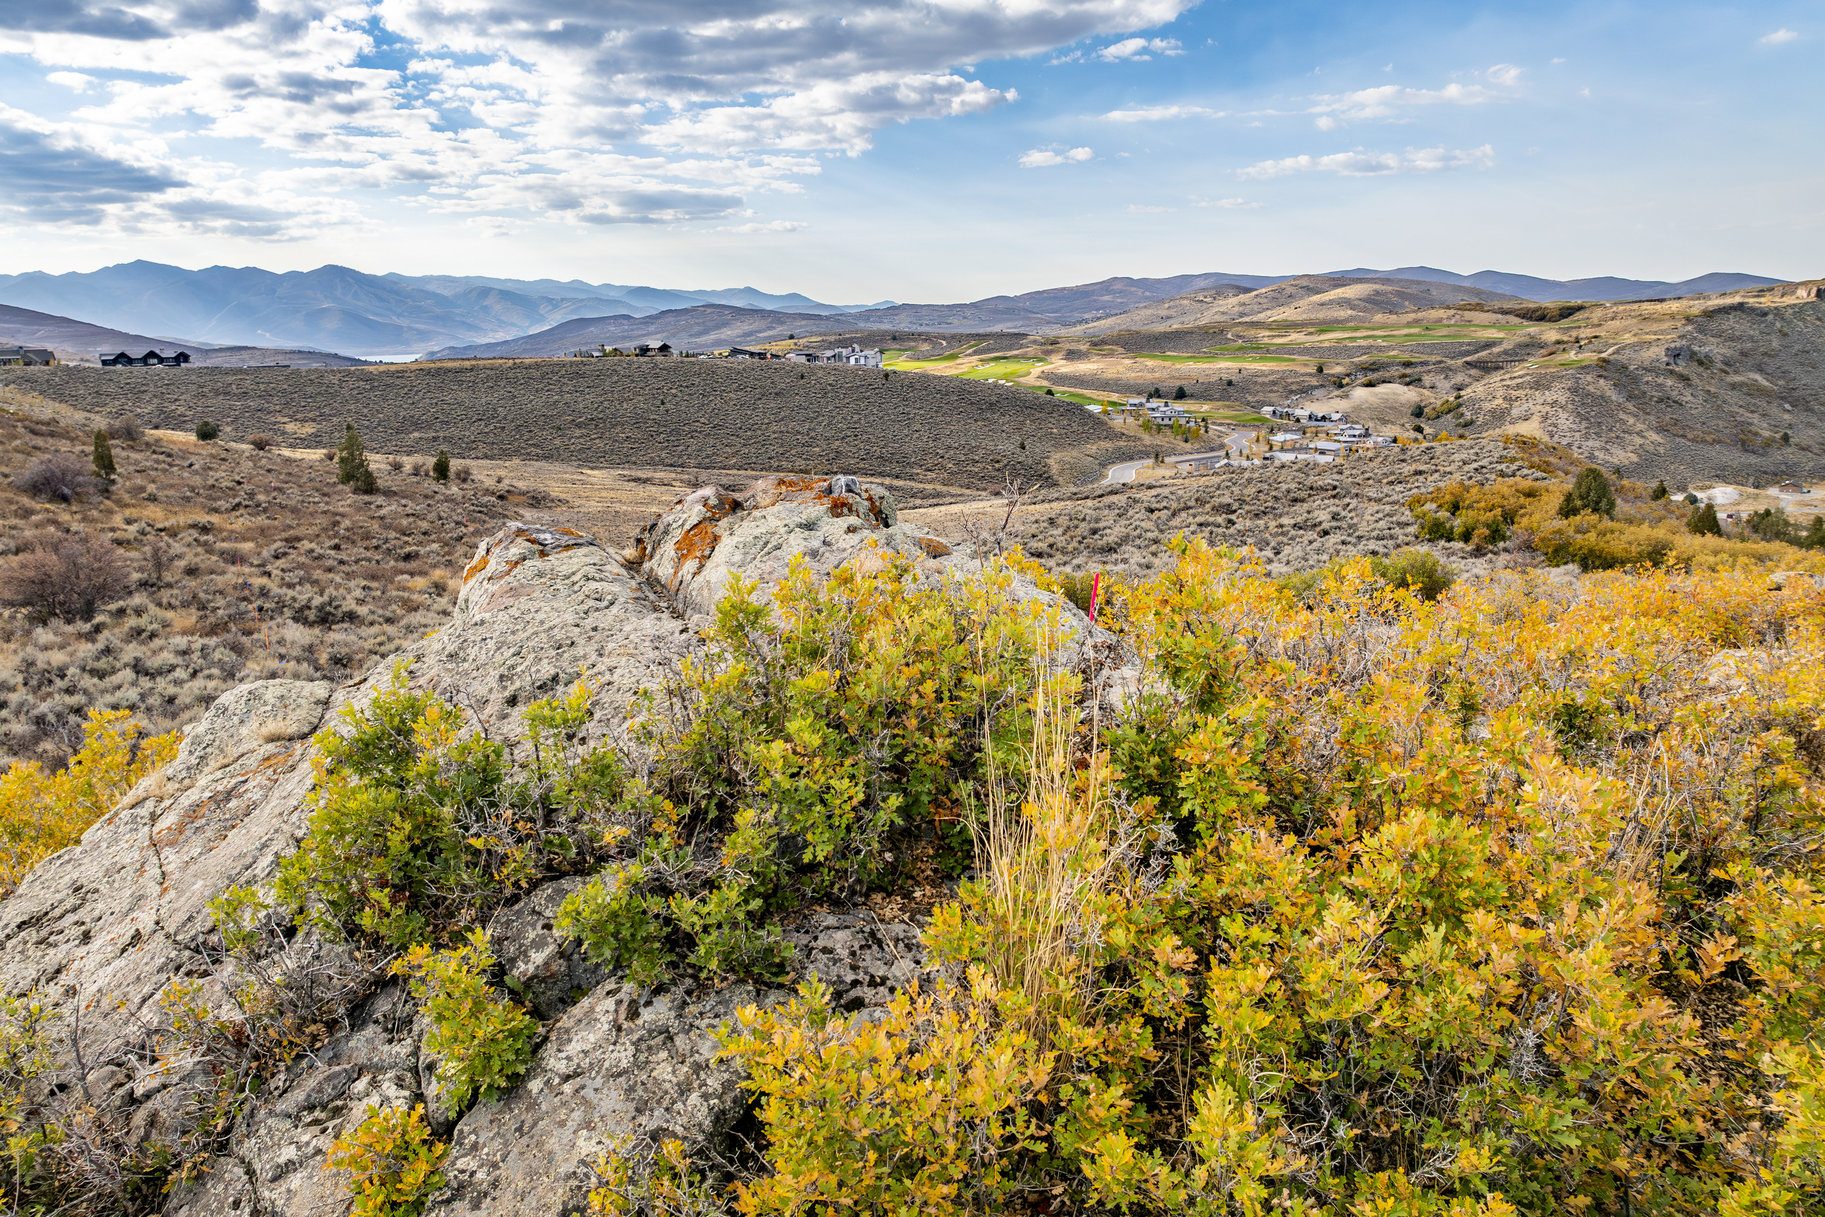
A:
<point x="1505" y="903"/>
<point x="41" y="813"/>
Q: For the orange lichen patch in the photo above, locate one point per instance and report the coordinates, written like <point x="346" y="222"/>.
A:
<point x="476" y="567"/>
<point x="698" y="542"/>
<point x="933" y="547"/>
<point x="174" y="832"/>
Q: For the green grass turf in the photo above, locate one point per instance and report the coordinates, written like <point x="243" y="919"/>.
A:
<point x="1001" y="369"/>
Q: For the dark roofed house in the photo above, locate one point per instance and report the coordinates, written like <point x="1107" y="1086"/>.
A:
<point x="645" y="350"/>
<point x="30" y="357"/>
<point x="151" y="359"/>
<point x="746" y="353"/>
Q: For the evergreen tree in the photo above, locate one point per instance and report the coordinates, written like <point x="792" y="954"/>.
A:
<point x="104" y="457"/>
<point x="364" y="481"/>
<point x="1814" y="537"/>
<point x="1660" y="491"/>
<point x="1589" y="495"/>
<point x="440" y="468"/>
<point x="352" y="462"/>
<point x="1704" y="522"/>
<point x="1178" y="394"/>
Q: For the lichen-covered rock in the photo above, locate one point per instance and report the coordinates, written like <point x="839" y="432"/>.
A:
<point x="276" y="1164"/>
<point x="710" y="535"/>
<point x="544" y="967"/>
<point x="630" y="1062"/>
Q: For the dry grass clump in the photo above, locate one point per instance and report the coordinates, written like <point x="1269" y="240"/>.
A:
<point x="58" y="476"/>
<point x="66" y="577"/>
<point x="651" y="413"/>
<point x="206" y="566"/>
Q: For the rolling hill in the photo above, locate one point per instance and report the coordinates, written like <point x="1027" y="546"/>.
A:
<point x="1316" y="299"/>
<point x="79" y="341"/>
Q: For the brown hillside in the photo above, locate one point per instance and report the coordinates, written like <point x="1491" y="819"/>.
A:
<point x="667" y="413"/>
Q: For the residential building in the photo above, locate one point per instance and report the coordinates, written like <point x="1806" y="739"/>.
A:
<point x="1201" y="462"/>
<point x="151" y="359"/>
<point x="30" y="357"/>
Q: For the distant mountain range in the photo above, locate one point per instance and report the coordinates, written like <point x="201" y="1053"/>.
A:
<point x="334" y="308"/>
<point x="337" y="309"/>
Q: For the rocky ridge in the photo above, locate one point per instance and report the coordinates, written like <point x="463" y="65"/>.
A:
<point x="104" y="928"/>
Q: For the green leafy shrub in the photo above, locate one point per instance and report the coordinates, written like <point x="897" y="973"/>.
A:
<point x="482" y="1042"/>
<point x="825" y="735"/>
<point x="419" y="830"/>
<point x="393" y="1162"/>
<point x="208" y="429"/>
<point x="1419" y="571"/>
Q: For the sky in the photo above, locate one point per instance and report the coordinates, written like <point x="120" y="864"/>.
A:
<point x="914" y="150"/>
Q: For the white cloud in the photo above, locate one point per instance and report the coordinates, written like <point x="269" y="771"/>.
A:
<point x="1150" y="114"/>
<point x="835" y="117"/>
<point x="763" y="226"/>
<point x="1389" y="102"/>
<point x="1230" y="204"/>
<point x="1779" y="36"/>
<point x="1359" y="163"/>
<point x="1146" y="209"/>
<point x="1043" y="158"/>
<point x="1504" y="75"/>
<point x="640" y="111"/>
<point x="1139" y="49"/>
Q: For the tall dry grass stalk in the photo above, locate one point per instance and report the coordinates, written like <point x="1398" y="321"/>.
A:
<point x="1043" y="852"/>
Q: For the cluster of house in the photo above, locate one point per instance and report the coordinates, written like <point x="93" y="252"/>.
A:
<point x="645" y="350"/>
<point x="854" y="356"/>
<point x="151" y="359"/>
<point x="1289" y="414"/>
<point x="29" y="357"/>
<point x="1160" y="413"/>
<point x="1339" y="442"/>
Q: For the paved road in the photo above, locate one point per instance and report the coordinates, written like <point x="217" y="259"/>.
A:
<point x="1236" y="442"/>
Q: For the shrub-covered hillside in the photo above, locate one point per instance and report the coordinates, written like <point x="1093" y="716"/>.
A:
<point x="202" y="565"/>
<point x="668" y="413"/>
<point x="1334" y="902"/>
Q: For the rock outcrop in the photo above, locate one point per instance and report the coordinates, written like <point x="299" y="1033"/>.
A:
<point x="710" y="535"/>
<point x="108" y="925"/>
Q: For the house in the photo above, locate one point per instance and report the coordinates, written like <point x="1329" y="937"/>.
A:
<point x="1286" y="437"/>
<point x="1329" y="446"/>
<point x="746" y="353"/>
<point x="1783" y="488"/>
<point x="852" y="355"/>
<point x="1200" y="462"/>
<point x="151" y="359"/>
<point x="1302" y="455"/>
<point x="647" y="350"/>
<point x="29" y="357"/>
<point x="1352" y="431"/>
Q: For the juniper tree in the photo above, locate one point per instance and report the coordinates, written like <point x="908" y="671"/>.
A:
<point x="352" y="462"/>
<point x="440" y="468"/>
<point x="1660" y="491"/>
<point x="1704" y="522"/>
<point x="1589" y="495"/>
<point x="104" y="457"/>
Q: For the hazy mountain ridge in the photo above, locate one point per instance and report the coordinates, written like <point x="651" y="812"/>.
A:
<point x="394" y="315"/>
